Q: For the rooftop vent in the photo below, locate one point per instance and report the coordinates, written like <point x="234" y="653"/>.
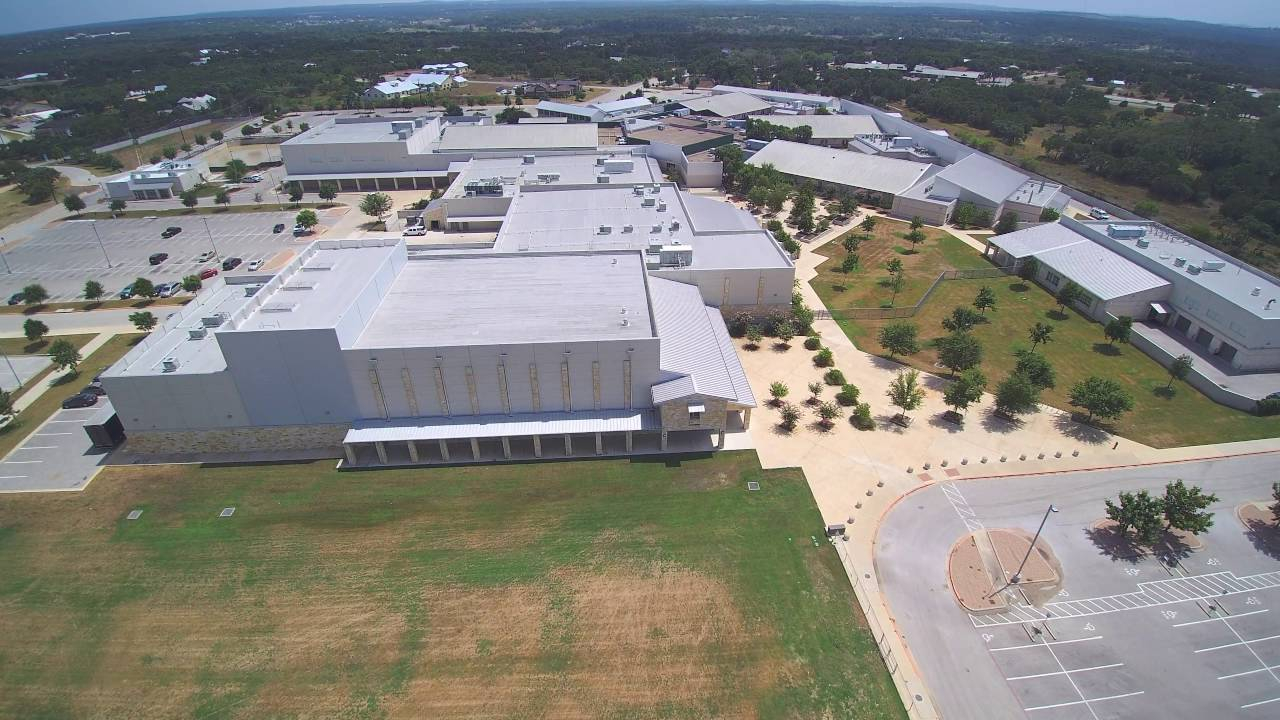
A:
<point x="1213" y="265"/>
<point x="278" y="307"/>
<point x="604" y="229"/>
<point x="318" y="266"/>
<point x="675" y="225"/>
<point x="212" y="321"/>
<point x="169" y="364"/>
<point x="300" y="285"/>
<point x="528" y="159"/>
<point x="662" y="206"/>
<point x="1193" y="269"/>
<point x="600" y="161"/>
<point x="648" y="202"/>
<point x="1144" y="243"/>
<point x="197" y="333"/>
<point x="657" y="227"/>
<point x="602" y="179"/>
<point x="625" y="322"/>
<point x="1256" y="292"/>
<point x="628" y="228"/>
<point x="1179" y="261"/>
<point x="637" y="190"/>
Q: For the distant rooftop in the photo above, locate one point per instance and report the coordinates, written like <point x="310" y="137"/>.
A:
<point x="729" y="104"/>
<point x="841" y="167"/>
<point x="358" y="130"/>
<point x="519" y="137"/>
<point x="1035" y="192"/>
<point x="984" y="177"/>
<point x="510" y="173"/>
<point x="776" y="95"/>
<point x="827" y="127"/>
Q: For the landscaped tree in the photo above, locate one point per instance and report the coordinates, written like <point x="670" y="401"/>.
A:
<point x="848" y="395"/>
<point x="142" y="287"/>
<point x="144" y="321"/>
<point x="985" y="299"/>
<point x="1016" y="396"/>
<point x="868" y="223"/>
<point x="1138" y="512"/>
<point x="899" y="338"/>
<point x="376" y="205"/>
<point x="905" y="391"/>
<point x="307" y="219"/>
<point x="1049" y="215"/>
<point x="1069" y="294"/>
<point x="200" y="139"/>
<point x="328" y="191"/>
<point x="34" y="294"/>
<point x="1185" y="508"/>
<point x="1028" y="268"/>
<point x="915" y="237"/>
<point x="849" y="264"/>
<point x="850" y="243"/>
<point x="897" y="277"/>
<point x="92" y="290"/>
<point x="235" y="170"/>
<point x="848" y="204"/>
<point x="170" y="152"/>
<point x="828" y="412"/>
<point x="785" y="330"/>
<point x="1118" y="330"/>
<point x="1040" y="333"/>
<point x="73" y="203"/>
<point x="1035" y="367"/>
<point x="815" y="393"/>
<point x="777" y="391"/>
<point x="34" y="329"/>
<point x="753" y="338"/>
<point x="64" y="355"/>
<point x="917" y="222"/>
<point x="965" y="390"/>
<point x="958" y="351"/>
<point x="790" y="416"/>
<point x="223" y="197"/>
<point x="295" y="194"/>
<point x="1008" y="223"/>
<point x="117" y="206"/>
<point x="1102" y="397"/>
<point x="192" y="283"/>
<point x="216" y="135"/>
<point x="6" y="402"/>
<point x="1179" y="369"/>
<point x="961" y="319"/>
<point x="189" y="198"/>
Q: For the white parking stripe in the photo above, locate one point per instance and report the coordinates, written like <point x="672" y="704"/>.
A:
<point x="55" y="433"/>
<point x="39" y="447"/>
<point x="13" y="477"/>
<point x="1267" y="668"/>
<point x="1067" y="672"/>
<point x="1224" y="617"/>
<point x="22" y="462"/>
<point x="1260" y="702"/>
<point x="1243" y="642"/>
<point x="1085" y="702"/>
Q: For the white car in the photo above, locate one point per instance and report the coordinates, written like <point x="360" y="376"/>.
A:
<point x="1099" y="214"/>
<point x="254" y="265"/>
<point x="252" y="178"/>
<point x="415" y="230"/>
<point x="205" y="256"/>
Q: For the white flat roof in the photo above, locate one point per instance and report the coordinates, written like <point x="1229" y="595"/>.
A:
<point x="841" y="167"/>
<point x="575" y="169"/>
<point x="519" y="137"/>
<point x="477" y="299"/>
<point x="827" y="127"/>
<point x="727" y="104"/>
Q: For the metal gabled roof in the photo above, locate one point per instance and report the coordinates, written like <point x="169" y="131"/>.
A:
<point x="695" y="351"/>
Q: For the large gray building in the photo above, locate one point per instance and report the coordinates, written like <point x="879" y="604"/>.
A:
<point x="358" y="345"/>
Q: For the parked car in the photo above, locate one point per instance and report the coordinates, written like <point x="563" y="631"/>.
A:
<point x="254" y="265"/>
<point x="16" y="298"/>
<point x="300" y="230"/>
<point x="415" y="230"/>
<point x="205" y="256"/>
<point x="207" y="273"/>
<point x="279" y="228"/>
<point x="126" y="292"/>
<point x="170" y="231"/>
<point x="168" y="289"/>
<point x="80" y="400"/>
<point x="231" y="263"/>
<point x="94" y="388"/>
<point x="255" y="178"/>
<point x="157" y="258"/>
<point x="1099" y="214"/>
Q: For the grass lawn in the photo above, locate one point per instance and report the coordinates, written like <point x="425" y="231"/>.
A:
<point x="22" y="346"/>
<point x="47" y="404"/>
<point x="15" y="208"/>
<point x="88" y="305"/>
<point x="1078" y="350"/>
<point x="867" y="286"/>
<point x="603" y="589"/>
<point x="134" y="155"/>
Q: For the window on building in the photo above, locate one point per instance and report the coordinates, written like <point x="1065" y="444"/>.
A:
<point x="695" y="413"/>
<point x="1052" y="278"/>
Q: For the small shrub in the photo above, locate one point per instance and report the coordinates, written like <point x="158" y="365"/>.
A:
<point x="790" y="416"/>
<point x="738" y="324"/>
<point x="1269" y="406"/>
<point x="812" y="343"/>
<point x="824" y="358"/>
<point x="861" y="417"/>
<point x="833" y="377"/>
<point x="848" y="395"/>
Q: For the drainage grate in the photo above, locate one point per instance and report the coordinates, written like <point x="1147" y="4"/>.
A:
<point x="227" y="512"/>
<point x="134" y="514"/>
<point x="753" y="485"/>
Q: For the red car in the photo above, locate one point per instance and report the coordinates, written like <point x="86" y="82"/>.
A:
<point x="208" y="273"/>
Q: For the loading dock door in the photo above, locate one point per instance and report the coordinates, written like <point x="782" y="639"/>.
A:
<point x="1204" y="337"/>
<point x="1182" y="325"/>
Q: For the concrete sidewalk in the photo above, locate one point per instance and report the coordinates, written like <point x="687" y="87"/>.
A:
<point x="24" y="401"/>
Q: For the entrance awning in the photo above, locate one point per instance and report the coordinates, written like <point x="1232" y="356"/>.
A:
<point x="493" y="426"/>
<point x="1159" y="309"/>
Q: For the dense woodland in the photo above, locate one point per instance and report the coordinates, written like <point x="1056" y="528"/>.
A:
<point x="1221" y="145"/>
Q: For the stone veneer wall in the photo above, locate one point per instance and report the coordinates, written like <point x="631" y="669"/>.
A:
<point x="242" y="439"/>
<point x="675" y="414"/>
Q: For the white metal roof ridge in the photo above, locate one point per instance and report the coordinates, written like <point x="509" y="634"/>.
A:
<point x="695" y="347"/>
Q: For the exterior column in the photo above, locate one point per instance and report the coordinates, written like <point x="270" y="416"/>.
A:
<point x="444" y="449"/>
<point x="628" y="441"/>
<point x="506" y="447"/>
<point x="413" y="451"/>
<point x="475" y="448"/>
<point x="746" y="419"/>
<point x="382" y="452"/>
<point x="350" y="450"/>
<point x="599" y="444"/>
<point x="664" y="440"/>
<point x="537" y="446"/>
<point x="568" y="444"/>
<point x="720" y="440"/>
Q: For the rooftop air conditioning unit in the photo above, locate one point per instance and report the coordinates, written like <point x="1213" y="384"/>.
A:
<point x="1193" y="269"/>
<point x="212" y="321"/>
<point x="602" y="179"/>
<point x="662" y="206"/>
<point x="1144" y="243"/>
<point x="528" y="159"/>
<point x="604" y="229"/>
<point x="1256" y="292"/>
<point x="675" y="225"/>
<point x="197" y="333"/>
<point x="1212" y="265"/>
<point x="600" y="161"/>
<point x="637" y="190"/>
<point x="648" y="202"/>
<point x="657" y="227"/>
<point x="628" y="228"/>
<point x="1179" y="261"/>
<point x="169" y="364"/>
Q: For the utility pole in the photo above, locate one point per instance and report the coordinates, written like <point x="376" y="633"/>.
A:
<point x="94" y="225"/>
<point x="17" y="381"/>
<point x="1017" y="576"/>
<point x="216" y="255"/>
<point x="4" y="259"/>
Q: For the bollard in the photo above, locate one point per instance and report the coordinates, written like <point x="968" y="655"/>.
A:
<point x="857" y="505"/>
<point x="868" y="493"/>
<point x="926" y="466"/>
<point x="911" y="470"/>
<point x="1003" y="458"/>
<point x="964" y="461"/>
<point x="1040" y="456"/>
<point x="879" y="483"/>
<point x="1075" y="453"/>
<point x="1058" y="454"/>
<point x="944" y="463"/>
<point x="1023" y="456"/>
<point x="984" y="459"/>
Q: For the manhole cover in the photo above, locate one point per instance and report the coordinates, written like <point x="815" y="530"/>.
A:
<point x="753" y="485"/>
<point x="227" y="512"/>
<point x="134" y="514"/>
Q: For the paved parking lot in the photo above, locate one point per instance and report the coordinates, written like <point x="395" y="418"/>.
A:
<point x="57" y="456"/>
<point x="1190" y="636"/>
<point x="62" y="258"/>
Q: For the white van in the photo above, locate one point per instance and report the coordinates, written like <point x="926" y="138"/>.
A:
<point x="1099" y="214"/>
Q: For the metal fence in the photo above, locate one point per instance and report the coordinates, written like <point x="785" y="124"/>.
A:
<point x="897" y="313"/>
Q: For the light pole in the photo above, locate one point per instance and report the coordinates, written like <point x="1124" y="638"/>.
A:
<point x="216" y="255"/>
<point x="17" y="381"/>
<point x="1017" y="576"/>
<point x="94" y="225"/>
<point x="4" y="259"/>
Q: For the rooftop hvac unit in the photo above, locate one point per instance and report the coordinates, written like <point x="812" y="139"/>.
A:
<point x="212" y="321"/>
<point x="1179" y="261"/>
<point x="278" y="307"/>
<point x="675" y="225"/>
<point x="618" y="165"/>
<point x="602" y="179"/>
<point x="197" y="333"/>
<point x="637" y="190"/>
<point x="657" y="227"/>
<point x="528" y="159"/>
<point x="1193" y="269"/>
<point x="169" y="364"/>
<point x="662" y="206"/>
<point x="655" y="247"/>
<point x="1256" y="292"/>
<point x="318" y="266"/>
<point x="1212" y="265"/>
<point x="604" y="229"/>
<point x="648" y="202"/>
<point x="300" y="285"/>
<point x="654" y="189"/>
<point x="1144" y="243"/>
<point x="628" y="228"/>
<point x="600" y="161"/>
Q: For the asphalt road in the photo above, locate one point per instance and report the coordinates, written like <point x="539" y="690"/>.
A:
<point x="1128" y="638"/>
<point x="62" y="258"/>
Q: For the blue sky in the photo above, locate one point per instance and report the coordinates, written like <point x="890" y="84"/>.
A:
<point x="21" y="16"/>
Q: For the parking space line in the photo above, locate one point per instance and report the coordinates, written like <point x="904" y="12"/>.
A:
<point x="1085" y="702"/>
<point x="1243" y="642"/>
<point x="1224" y="617"/>
<point x="38" y="447"/>
<point x="1067" y="672"/>
<point x="22" y="462"/>
<point x="1071" y="680"/>
<point x="13" y="477"/>
<point x="55" y="433"/>
<point x="1260" y="702"/>
<point x="1266" y="668"/>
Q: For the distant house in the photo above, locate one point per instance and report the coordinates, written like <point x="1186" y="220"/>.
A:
<point x="452" y="68"/>
<point x="552" y="88"/>
<point x="930" y="72"/>
<point x="413" y="84"/>
<point x="875" y="65"/>
<point x="32" y="77"/>
<point x="199" y="103"/>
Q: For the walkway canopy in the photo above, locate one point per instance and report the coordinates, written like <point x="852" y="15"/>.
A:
<point x="497" y="426"/>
